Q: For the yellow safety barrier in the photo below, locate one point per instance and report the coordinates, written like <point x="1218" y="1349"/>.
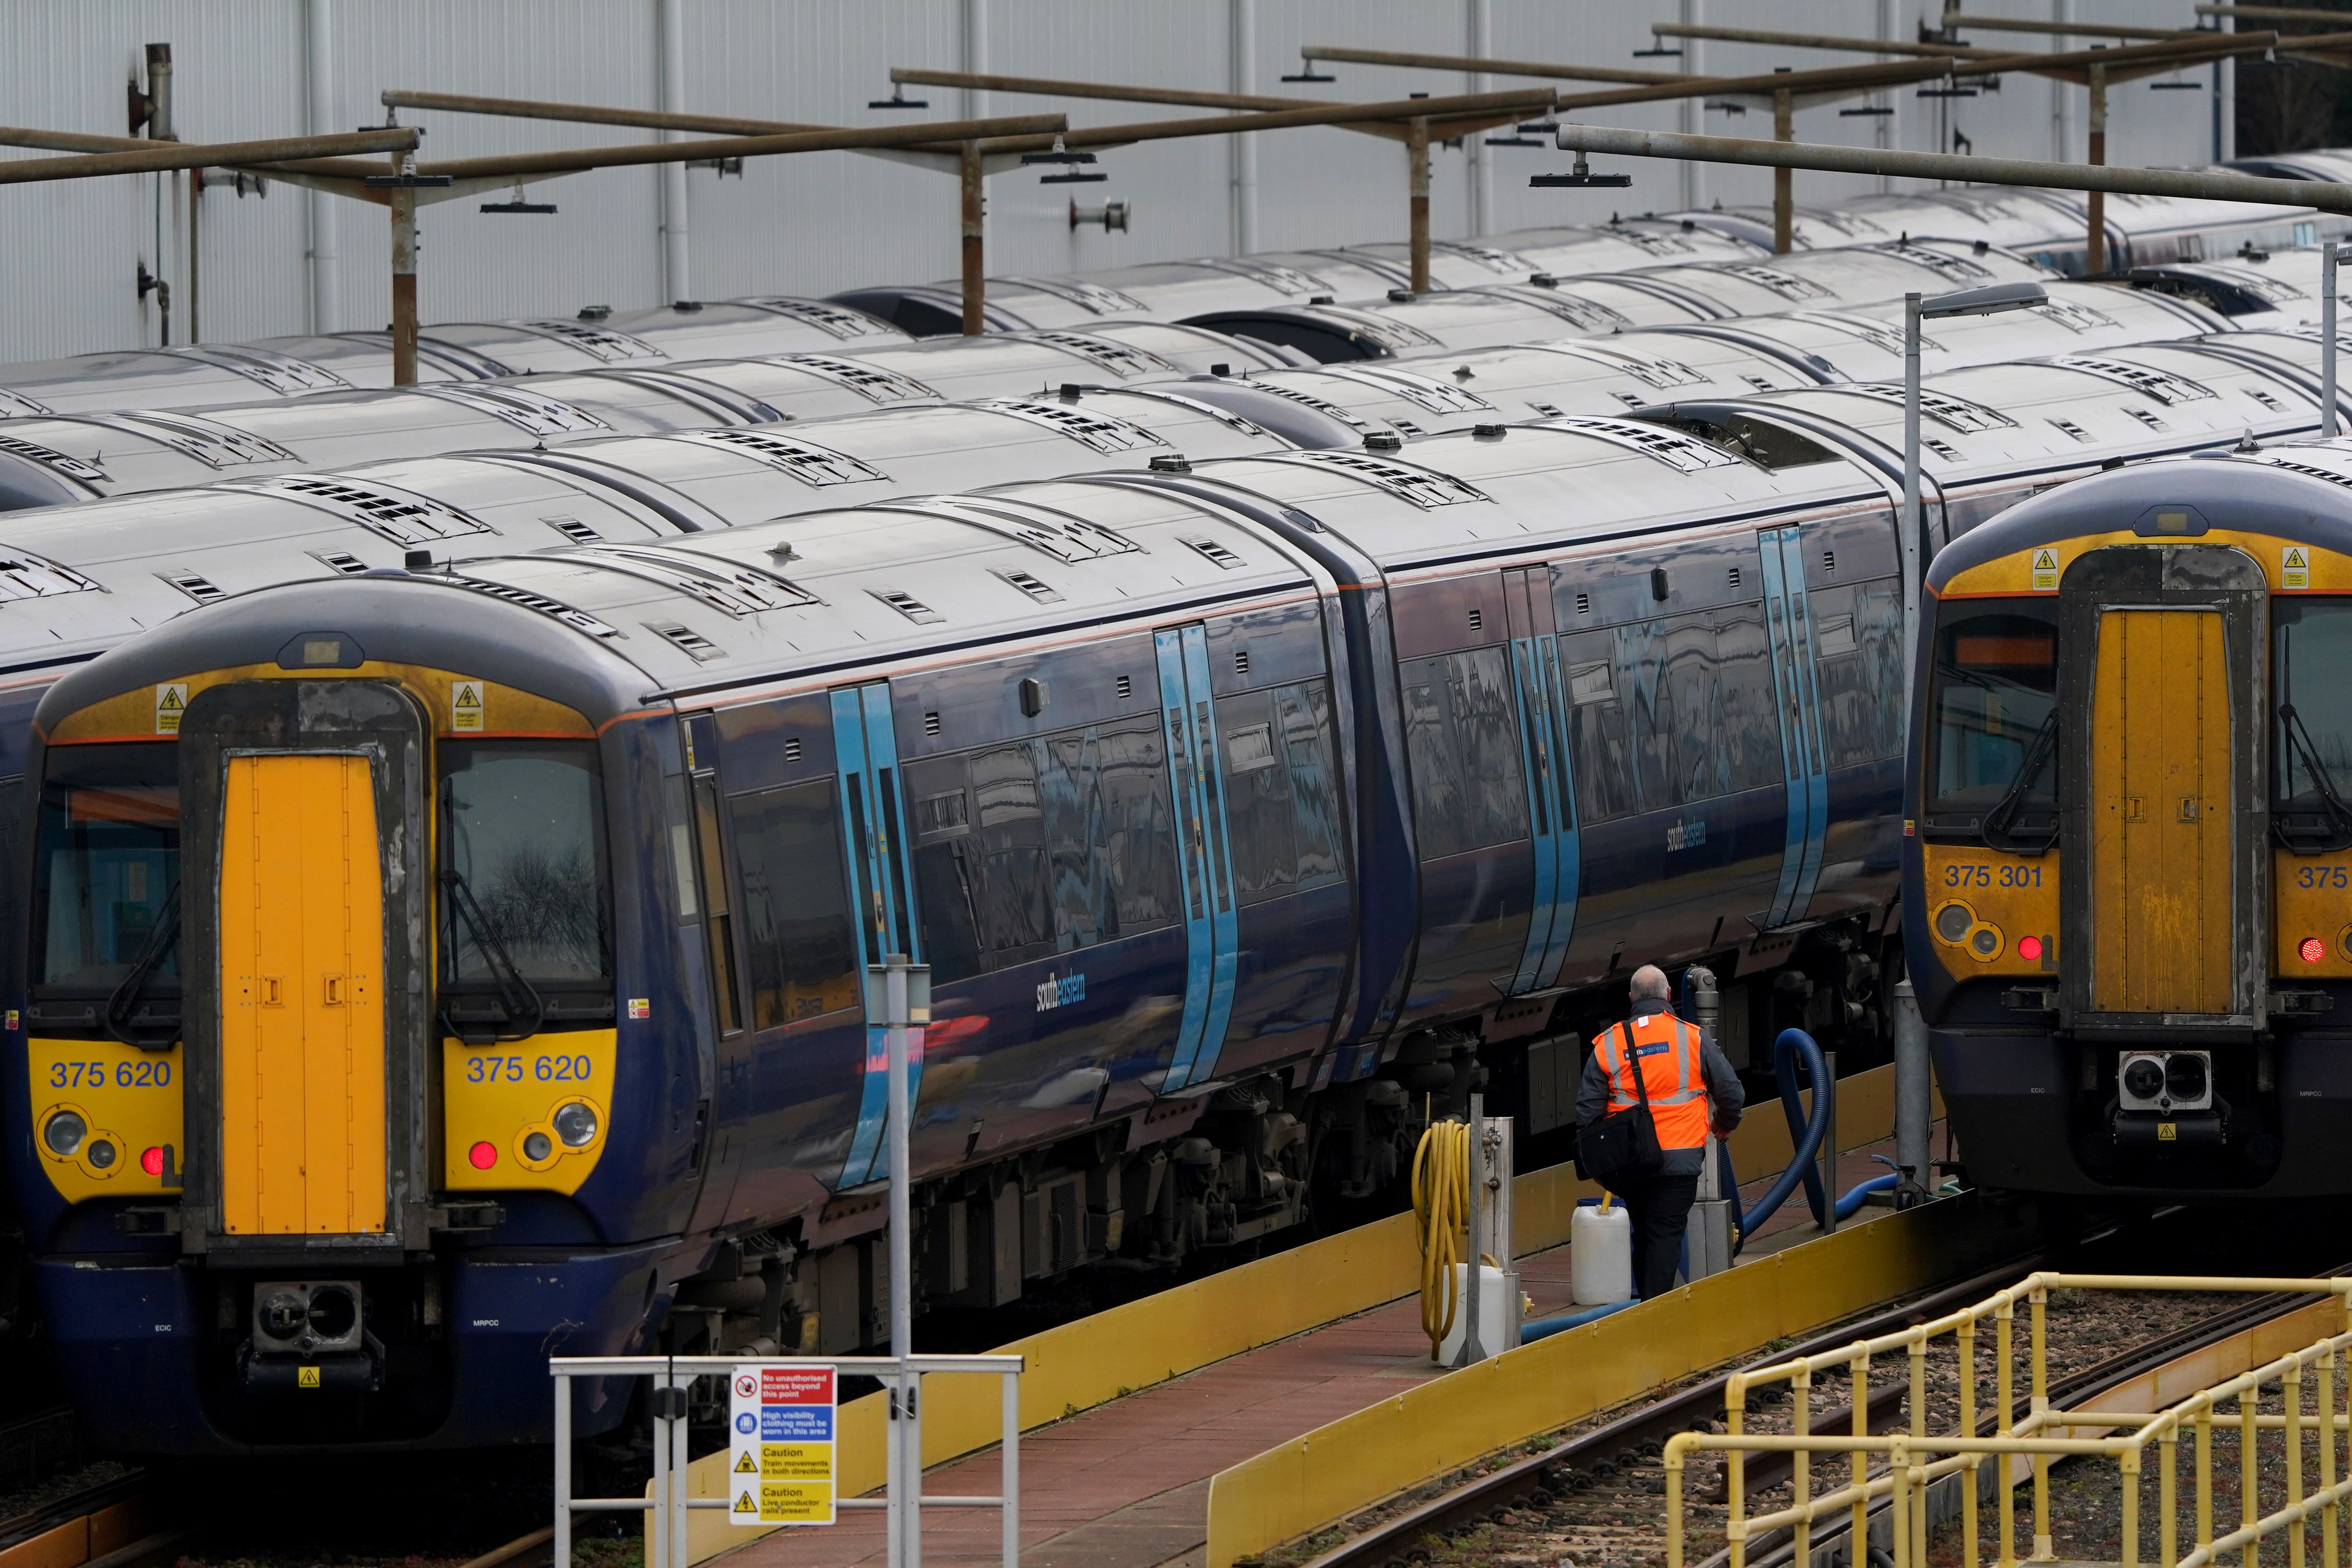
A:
<point x="1350" y="1464"/>
<point x="1097" y="1359"/>
<point x="1913" y="1459"/>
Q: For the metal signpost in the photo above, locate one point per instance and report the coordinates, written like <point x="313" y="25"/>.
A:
<point x="2327" y="418"/>
<point x="783" y="1453"/>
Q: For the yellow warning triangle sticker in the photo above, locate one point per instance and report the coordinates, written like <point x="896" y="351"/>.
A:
<point x="2295" y="561"/>
<point x="170" y="699"/>
<point x="467" y="696"/>
<point x="743" y="1503"/>
<point x="2045" y="560"/>
<point x="743" y="1465"/>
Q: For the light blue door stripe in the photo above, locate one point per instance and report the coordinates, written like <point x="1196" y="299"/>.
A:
<point x="1225" y="918"/>
<point x="1535" y="755"/>
<point x="866" y="754"/>
<point x="1192" y="843"/>
<point x="1817" y="790"/>
<point x="1792" y="744"/>
<point x="1568" y="877"/>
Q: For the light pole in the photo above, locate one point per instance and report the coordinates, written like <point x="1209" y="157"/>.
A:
<point x="2327" y="339"/>
<point x="1987" y="301"/>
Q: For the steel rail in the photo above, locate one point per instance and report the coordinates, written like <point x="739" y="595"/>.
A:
<point x="2191" y="184"/>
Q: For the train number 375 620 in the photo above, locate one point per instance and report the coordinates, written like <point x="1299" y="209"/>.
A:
<point x="515" y="1069"/>
<point x="2005" y="876"/>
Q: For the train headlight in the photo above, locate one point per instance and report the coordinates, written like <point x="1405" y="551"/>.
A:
<point x="1953" y="920"/>
<point x="536" y="1147"/>
<point x="577" y="1125"/>
<point x="2185" y="1077"/>
<point x="63" y="1133"/>
<point x="2144" y="1078"/>
<point x="101" y="1154"/>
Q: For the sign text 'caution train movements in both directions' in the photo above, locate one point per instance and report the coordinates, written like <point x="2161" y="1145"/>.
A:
<point x="779" y="1466"/>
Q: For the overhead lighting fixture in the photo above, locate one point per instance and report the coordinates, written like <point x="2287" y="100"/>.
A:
<point x="1581" y="176"/>
<point x="1306" y="71"/>
<point x="897" y="100"/>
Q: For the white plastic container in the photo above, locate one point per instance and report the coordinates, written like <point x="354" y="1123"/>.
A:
<point x="1600" y="1255"/>
<point x="1494" y="1305"/>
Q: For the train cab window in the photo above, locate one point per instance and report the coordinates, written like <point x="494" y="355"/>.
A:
<point x="2311" y="725"/>
<point x="107" y="870"/>
<point x="796" y="926"/>
<point x="1992" y="767"/>
<point x="1858" y="669"/>
<point x="1462" y="739"/>
<point x="525" y="889"/>
<point x="1278" y="801"/>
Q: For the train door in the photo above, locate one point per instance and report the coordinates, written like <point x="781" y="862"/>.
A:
<point x="1789" y="626"/>
<point x="301" y="1020"/>
<point x="2163" y="836"/>
<point x="2159" y="845"/>
<point x="873" y="825"/>
<point x="1536" y="679"/>
<point x="1204" y="859"/>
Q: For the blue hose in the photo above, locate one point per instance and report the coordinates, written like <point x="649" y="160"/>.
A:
<point x="1807" y="1133"/>
<point x="1543" y="1327"/>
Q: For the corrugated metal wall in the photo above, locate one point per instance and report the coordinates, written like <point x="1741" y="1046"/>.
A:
<point x="69" y="252"/>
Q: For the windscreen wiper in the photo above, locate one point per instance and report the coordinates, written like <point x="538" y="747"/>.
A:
<point x="1998" y="822"/>
<point x="518" y="997"/>
<point x="123" y="1000"/>
<point x="2331" y="805"/>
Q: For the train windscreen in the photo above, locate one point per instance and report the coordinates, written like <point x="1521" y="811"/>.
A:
<point x="1992" y="746"/>
<point x="523" y="874"/>
<point x="107" y="870"/>
<point x="2311" y="723"/>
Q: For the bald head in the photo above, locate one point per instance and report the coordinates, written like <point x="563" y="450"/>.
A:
<point x="1650" y="984"/>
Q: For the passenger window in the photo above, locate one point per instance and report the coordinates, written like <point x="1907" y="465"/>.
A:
<point x="1748" y="731"/>
<point x="1462" y="739"/>
<point x="796" y="925"/>
<point x="1041" y="847"/>
<point x="1304" y="716"/>
<point x="1858" y="665"/>
<point x="1257" y="800"/>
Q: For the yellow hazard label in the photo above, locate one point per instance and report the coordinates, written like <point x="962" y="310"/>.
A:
<point x="464" y="705"/>
<point x="2167" y="1132"/>
<point x="743" y="1503"/>
<point x="2294" y="567"/>
<point x="2045" y="570"/>
<point x="796" y="1461"/>
<point x="306" y="1378"/>
<point x="171" y="702"/>
<point x="745" y="1465"/>
<point x="795" y="1503"/>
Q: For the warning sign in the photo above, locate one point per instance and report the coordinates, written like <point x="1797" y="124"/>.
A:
<point x="2295" y="566"/>
<point x="306" y="1378"/>
<point x="2045" y="570"/>
<point x="780" y="1431"/>
<point x="464" y="705"/>
<point x="171" y="702"/>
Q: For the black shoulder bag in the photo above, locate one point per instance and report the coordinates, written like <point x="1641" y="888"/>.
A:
<point x="1622" y="1147"/>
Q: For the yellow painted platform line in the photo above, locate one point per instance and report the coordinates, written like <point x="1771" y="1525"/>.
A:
<point x="1097" y="1359"/>
<point x="1337" y="1469"/>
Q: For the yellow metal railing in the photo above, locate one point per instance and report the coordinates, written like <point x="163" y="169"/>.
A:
<point x="1900" y="1465"/>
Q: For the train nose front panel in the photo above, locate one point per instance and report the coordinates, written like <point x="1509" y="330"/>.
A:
<point x="302" y="1023"/>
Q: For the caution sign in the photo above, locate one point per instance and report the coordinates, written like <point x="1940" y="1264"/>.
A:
<point x="464" y="705"/>
<point x="2295" y="566"/>
<point x="2045" y="570"/>
<point x="306" y="1378"/>
<point x="780" y="1443"/>
<point x="171" y="702"/>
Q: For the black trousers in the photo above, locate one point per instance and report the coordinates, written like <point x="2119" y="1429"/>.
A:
<point x="1660" y="1210"/>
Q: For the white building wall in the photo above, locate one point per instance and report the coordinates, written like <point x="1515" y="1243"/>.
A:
<point x="817" y="223"/>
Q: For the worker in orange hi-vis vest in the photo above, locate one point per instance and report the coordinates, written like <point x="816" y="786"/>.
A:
<point x="1684" y="1073"/>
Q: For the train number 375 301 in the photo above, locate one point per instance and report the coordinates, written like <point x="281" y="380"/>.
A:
<point x="2005" y="876"/>
<point x="515" y="1069"/>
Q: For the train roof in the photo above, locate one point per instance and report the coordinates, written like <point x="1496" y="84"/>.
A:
<point x="2296" y="489"/>
<point x="1565" y="251"/>
<point x="1158" y="289"/>
<point x="2065" y="413"/>
<point x="2253" y="288"/>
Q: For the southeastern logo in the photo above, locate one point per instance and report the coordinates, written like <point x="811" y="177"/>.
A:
<point x="1060" y="992"/>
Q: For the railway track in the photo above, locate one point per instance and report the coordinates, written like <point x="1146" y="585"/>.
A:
<point x="1598" y="1497"/>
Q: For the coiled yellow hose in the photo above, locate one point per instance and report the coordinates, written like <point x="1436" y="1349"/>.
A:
<point x="1441" y="1205"/>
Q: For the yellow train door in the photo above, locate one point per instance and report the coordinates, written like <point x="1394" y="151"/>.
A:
<point x="302" y="1025"/>
<point x="2160" y="794"/>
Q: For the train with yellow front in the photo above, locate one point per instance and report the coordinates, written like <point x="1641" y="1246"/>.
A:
<point x="2128" y="837"/>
